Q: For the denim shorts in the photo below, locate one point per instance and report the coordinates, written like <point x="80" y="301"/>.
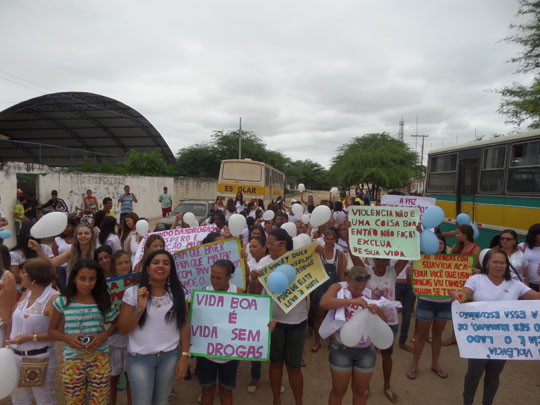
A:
<point x="343" y="358"/>
<point x="210" y="371"/>
<point x="429" y="310"/>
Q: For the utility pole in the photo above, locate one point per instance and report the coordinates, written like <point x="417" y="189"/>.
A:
<point x="422" y="152"/>
<point x="240" y="140"/>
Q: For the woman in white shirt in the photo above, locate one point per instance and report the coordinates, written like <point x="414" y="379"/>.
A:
<point x="508" y="242"/>
<point x="532" y="254"/>
<point x="494" y="283"/>
<point x="154" y="315"/>
<point x="107" y="234"/>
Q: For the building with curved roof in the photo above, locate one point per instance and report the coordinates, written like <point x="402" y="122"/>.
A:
<point x="59" y="129"/>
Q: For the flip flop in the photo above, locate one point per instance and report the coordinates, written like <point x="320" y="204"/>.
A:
<point x="407" y="348"/>
<point x="316" y="348"/>
<point x="449" y="342"/>
<point x="391" y="395"/>
<point x="411" y="374"/>
<point x="439" y="372"/>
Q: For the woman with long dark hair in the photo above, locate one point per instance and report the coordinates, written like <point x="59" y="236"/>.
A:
<point x="508" y="242"/>
<point x="154" y="315"/>
<point x="531" y="252"/>
<point x="239" y="202"/>
<point x="465" y="241"/>
<point x="107" y="234"/>
<point x="129" y="230"/>
<point x="153" y="242"/>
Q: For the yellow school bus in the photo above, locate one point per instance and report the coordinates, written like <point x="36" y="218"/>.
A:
<point x="251" y="178"/>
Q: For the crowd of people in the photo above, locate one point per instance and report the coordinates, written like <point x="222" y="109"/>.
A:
<point x="59" y="293"/>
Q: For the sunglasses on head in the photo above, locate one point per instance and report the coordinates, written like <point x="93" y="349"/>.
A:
<point x="361" y="277"/>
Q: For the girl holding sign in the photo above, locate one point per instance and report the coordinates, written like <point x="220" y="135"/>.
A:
<point x="154" y="315"/>
<point x="357" y="362"/>
<point x="153" y="243"/>
<point x="211" y="369"/>
<point x="494" y="283"/>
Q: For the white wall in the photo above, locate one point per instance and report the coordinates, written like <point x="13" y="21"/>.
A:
<point x="72" y="186"/>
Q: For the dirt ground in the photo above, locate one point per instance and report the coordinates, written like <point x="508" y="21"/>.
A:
<point x="520" y="382"/>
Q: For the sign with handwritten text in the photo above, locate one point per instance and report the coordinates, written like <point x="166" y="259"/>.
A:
<point x="193" y="265"/>
<point x="310" y="274"/>
<point x="118" y="285"/>
<point x="422" y="203"/>
<point x="230" y="326"/>
<point x="498" y="330"/>
<point x="177" y="239"/>
<point x="437" y="275"/>
<point x="384" y="232"/>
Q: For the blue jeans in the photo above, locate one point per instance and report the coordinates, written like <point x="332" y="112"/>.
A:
<point x="405" y="294"/>
<point x="151" y="377"/>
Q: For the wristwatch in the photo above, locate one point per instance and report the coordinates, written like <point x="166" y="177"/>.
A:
<point x="34" y="338"/>
<point x="186" y="354"/>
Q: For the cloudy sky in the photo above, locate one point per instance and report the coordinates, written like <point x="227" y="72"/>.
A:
<point x="306" y="76"/>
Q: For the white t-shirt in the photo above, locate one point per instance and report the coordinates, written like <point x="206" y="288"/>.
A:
<point x="113" y="241"/>
<point x="17" y="256"/>
<point x="484" y="290"/>
<point x="157" y="335"/>
<point x="339" y="217"/>
<point x="385" y="286"/>
<point x="293" y="218"/>
<point x="518" y="262"/>
<point x="533" y="260"/>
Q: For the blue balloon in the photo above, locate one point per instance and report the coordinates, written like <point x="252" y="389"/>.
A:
<point x="463" y="219"/>
<point x="289" y="272"/>
<point x="5" y="234"/>
<point x="429" y="243"/>
<point x="277" y="282"/>
<point x="476" y="231"/>
<point x="432" y="217"/>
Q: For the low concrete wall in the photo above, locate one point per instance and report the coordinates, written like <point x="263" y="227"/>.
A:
<point x="72" y="187"/>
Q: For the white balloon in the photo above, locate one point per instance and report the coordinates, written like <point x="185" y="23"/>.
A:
<point x="305" y="218"/>
<point x="334" y="190"/>
<point x="301" y="188"/>
<point x="268" y="215"/>
<point x="320" y="215"/>
<point x="142" y="226"/>
<point x="297" y="243"/>
<point x="354" y="329"/>
<point x="290" y="228"/>
<point x="9" y="372"/>
<point x="50" y="224"/>
<point x="237" y="223"/>
<point x="306" y="240"/>
<point x="189" y="217"/>
<point x="297" y="209"/>
<point x="380" y="334"/>
<point x="482" y="254"/>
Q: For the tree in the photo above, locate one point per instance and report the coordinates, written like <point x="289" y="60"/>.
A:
<point x="520" y="102"/>
<point x="375" y="159"/>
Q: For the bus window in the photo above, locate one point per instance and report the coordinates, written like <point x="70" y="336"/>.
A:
<point x="442" y="173"/>
<point x="492" y="177"/>
<point x="524" y="172"/>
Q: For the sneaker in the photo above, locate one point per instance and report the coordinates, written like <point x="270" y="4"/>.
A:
<point x="252" y="387"/>
<point x="282" y="389"/>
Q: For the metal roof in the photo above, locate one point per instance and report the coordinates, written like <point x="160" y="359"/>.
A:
<point x="87" y="124"/>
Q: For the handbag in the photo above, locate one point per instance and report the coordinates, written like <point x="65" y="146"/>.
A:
<point x="33" y="371"/>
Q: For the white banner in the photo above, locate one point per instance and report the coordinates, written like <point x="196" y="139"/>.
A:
<point x="499" y="330"/>
<point x="422" y="203"/>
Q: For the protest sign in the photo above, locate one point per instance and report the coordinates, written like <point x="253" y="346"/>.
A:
<point x="384" y="232"/>
<point x="422" y="203"/>
<point x="437" y="275"/>
<point x="230" y="326"/>
<point x="193" y="264"/>
<point x="498" y="330"/>
<point x="118" y="285"/>
<point x="176" y="239"/>
<point x="309" y="274"/>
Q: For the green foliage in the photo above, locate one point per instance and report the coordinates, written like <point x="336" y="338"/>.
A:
<point x="522" y="103"/>
<point x="144" y="164"/>
<point x="376" y="159"/>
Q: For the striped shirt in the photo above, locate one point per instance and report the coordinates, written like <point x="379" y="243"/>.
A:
<point x="126" y="205"/>
<point x="82" y="319"/>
